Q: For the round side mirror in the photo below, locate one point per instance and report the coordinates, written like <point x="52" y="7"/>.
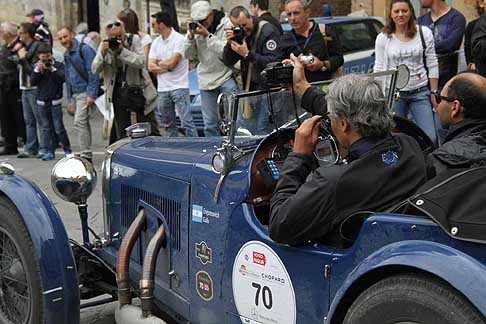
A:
<point x="403" y="76"/>
<point x="73" y="179"/>
<point x="222" y="106"/>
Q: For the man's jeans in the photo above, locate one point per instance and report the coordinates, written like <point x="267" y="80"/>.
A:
<point x="82" y="125"/>
<point x="208" y="106"/>
<point x="417" y="102"/>
<point x="168" y="102"/>
<point x="51" y="121"/>
<point x="32" y="119"/>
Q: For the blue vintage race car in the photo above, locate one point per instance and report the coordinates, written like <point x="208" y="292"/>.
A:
<point x="185" y="231"/>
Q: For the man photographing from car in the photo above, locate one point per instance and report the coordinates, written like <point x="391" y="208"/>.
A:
<point x="310" y="203"/>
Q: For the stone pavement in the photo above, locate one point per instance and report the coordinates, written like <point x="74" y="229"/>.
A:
<point x="40" y="172"/>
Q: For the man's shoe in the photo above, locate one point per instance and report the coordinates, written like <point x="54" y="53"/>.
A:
<point x="48" y="156"/>
<point x="25" y="155"/>
<point x="39" y="155"/>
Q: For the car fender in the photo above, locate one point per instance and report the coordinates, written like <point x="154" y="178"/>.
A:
<point x="440" y="260"/>
<point x="51" y="243"/>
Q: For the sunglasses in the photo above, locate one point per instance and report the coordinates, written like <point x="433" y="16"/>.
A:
<point x="116" y="24"/>
<point x="439" y="98"/>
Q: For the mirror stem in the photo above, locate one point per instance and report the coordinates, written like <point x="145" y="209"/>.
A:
<point x="83" y="214"/>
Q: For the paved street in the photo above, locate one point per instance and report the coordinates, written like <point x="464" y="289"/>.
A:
<point x="40" y="171"/>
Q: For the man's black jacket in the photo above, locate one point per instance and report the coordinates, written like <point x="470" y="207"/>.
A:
<point x="309" y="205"/>
<point x="478" y="41"/>
<point x="9" y="74"/>
<point x="463" y="147"/>
<point x="314" y="44"/>
<point x="271" y="19"/>
<point x="266" y="52"/>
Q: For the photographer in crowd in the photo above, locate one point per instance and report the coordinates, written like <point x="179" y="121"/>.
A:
<point x="309" y="38"/>
<point x="253" y="43"/>
<point x="11" y="117"/>
<point x="121" y="59"/>
<point x="172" y="70"/>
<point x="205" y="41"/>
<point x="48" y="76"/>
<point x="26" y="52"/>
<point x="81" y="86"/>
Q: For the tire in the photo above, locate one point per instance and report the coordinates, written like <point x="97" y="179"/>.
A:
<point x="411" y="299"/>
<point x="21" y="300"/>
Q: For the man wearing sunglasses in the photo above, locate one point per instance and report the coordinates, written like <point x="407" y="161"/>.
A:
<point x="381" y="169"/>
<point x="462" y="111"/>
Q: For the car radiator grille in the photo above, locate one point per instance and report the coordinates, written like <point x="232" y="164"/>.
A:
<point x="171" y="209"/>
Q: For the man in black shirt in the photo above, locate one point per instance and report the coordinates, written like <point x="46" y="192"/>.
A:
<point x="310" y="38"/>
<point x="309" y="203"/>
<point x="259" y="8"/>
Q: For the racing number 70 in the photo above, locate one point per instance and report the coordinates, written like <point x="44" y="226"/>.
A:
<point x="266" y="295"/>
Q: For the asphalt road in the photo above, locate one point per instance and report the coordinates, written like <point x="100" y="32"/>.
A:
<point x="40" y="172"/>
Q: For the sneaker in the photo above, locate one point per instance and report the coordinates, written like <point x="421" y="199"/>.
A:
<point x="25" y="155"/>
<point x="48" y="156"/>
<point x="39" y="155"/>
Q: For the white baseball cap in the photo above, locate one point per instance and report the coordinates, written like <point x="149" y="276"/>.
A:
<point x="200" y="10"/>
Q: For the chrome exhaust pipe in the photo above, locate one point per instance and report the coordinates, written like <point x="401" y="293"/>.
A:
<point x="148" y="272"/>
<point x="122" y="273"/>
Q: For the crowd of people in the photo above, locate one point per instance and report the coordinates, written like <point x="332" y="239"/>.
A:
<point x="146" y="80"/>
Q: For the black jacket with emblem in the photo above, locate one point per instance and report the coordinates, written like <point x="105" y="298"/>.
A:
<point x="309" y="204"/>
<point x="266" y="52"/>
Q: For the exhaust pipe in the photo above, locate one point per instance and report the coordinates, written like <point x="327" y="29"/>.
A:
<point x="124" y="291"/>
<point x="148" y="272"/>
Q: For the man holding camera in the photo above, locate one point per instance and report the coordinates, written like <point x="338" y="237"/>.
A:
<point x="81" y="86"/>
<point x="381" y="169"/>
<point x="205" y="41"/>
<point x="127" y="83"/>
<point x="172" y="70"/>
<point x="253" y="43"/>
<point x="310" y="39"/>
<point x="48" y="76"/>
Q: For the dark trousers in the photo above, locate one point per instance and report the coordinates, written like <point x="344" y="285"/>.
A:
<point x="122" y="118"/>
<point x="11" y="118"/>
<point x="51" y="123"/>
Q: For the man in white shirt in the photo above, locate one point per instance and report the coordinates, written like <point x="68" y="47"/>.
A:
<point x="165" y="61"/>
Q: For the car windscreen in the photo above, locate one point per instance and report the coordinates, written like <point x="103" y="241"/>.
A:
<point x="355" y="36"/>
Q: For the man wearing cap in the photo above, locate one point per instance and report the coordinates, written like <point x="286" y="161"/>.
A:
<point x="42" y="32"/>
<point x="205" y="41"/>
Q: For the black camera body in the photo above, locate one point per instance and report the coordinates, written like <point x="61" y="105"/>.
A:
<point x="238" y="34"/>
<point x="277" y="73"/>
<point x="47" y="63"/>
<point x="193" y="25"/>
<point x="113" y="42"/>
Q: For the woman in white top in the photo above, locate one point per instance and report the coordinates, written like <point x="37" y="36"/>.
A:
<point x="401" y="43"/>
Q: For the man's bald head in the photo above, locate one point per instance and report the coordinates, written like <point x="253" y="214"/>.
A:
<point x="470" y="90"/>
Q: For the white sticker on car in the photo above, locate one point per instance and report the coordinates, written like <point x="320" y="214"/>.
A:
<point x="262" y="288"/>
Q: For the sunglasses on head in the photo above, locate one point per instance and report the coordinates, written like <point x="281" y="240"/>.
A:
<point x="116" y="24"/>
<point x="439" y="98"/>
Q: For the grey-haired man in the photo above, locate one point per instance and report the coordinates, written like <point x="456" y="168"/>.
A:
<point x="381" y="169"/>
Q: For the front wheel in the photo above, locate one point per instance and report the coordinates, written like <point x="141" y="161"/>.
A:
<point x="21" y="299"/>
<point x="411" y="299"/>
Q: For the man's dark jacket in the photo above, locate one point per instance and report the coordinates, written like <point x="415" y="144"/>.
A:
<point x="9" y="74"/>
<point x="478" y="41"/>
<point x="266" y="52"/>
<point x="271" y="19"/>
<point x="314" y="44"/>
<point x="310" y="205"/>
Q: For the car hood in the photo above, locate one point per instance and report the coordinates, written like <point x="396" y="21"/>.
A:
<point x="173" y="157"/>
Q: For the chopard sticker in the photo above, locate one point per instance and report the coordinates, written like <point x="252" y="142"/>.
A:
<point x="271" y="45"/>
<point x="204" y="285"/>
<point x="204" y="253"/>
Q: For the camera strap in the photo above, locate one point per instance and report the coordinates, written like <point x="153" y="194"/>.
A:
<point x="124" y="73"/>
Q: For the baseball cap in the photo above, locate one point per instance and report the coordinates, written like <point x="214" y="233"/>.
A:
<point x="37" y="13"/>
<point x="200" y="10"/>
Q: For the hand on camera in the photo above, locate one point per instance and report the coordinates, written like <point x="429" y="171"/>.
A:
<point x="306" y="135"/>
<point x="240" y="49"/>
<point x="300" y="82"/>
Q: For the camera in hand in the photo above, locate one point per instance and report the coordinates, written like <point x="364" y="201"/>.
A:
<point x="238" y="34"/>
<point x="47" y="63"/>
<point x="193" y="25"/>
<point x="307" y="59"/>
<point x="277" y="73"/>
<point x="113" y="42"/>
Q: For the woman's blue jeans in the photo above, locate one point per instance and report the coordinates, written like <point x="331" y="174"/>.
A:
<point x="417" y="103"/>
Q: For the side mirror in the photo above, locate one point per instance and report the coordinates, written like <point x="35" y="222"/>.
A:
<point x="403" y="76"/>
<point x="73" y="179"/>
